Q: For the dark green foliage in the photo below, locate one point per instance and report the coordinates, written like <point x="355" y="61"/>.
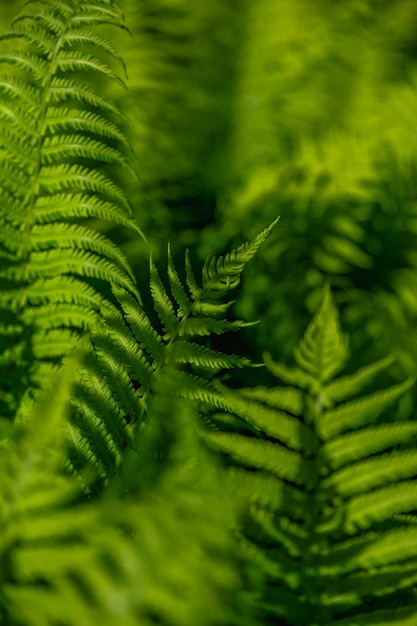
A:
<point x="325" y="476"/>
<point x="304" y="109"/>
<point x="118" y="377"/>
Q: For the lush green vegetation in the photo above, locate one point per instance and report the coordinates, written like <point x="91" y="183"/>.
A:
<point x="165" y="459"/>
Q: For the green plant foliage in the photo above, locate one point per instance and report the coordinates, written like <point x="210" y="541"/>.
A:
<point x="56" y="131"/>
<point x="325" y="474"/>
<point x="142" y="482"/>
<point x="293" y="107"/>
<point x="118" y="378"/>
<point x="164" y="556"/>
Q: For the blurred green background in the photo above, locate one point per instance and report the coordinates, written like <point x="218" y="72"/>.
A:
<point x="240" y="111"/>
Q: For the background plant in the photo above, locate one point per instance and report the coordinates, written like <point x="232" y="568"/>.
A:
<point x="258" y="110"/>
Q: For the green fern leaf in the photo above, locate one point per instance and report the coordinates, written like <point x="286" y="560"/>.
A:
<point x="82" y="36"/>
<point x="223" y="273"/>
<point x="186" y="352"/>
<point x="142" y="329"/>
<point x="322" y="351"/>
<point x="372" y="473"/>
<point x="346" y="386"/>
<point x="75" y="61"/>
<point x="64" y="89"/>
<point x="315" y="463"/>
<point x="130" y="352"/>
<point x="49" y="123"/>
<point x="344" y="449"/>
<point x="61" y="119"/>
<point x="205" y="326"/>
<point x="360" y="412"/>
<point x="162" y="302"/>
<point x="183" y="301"/>
<point x="263" y="455"/>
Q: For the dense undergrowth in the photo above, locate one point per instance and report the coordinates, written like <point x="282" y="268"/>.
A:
<point x="162" y="461"/>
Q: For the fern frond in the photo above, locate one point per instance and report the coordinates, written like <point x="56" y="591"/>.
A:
<point x="223" y="273"/>
<point x="81" y="205"/>
<point x="75" y="61"/>
<point x="78" y="146"/>
<point x="178" y="291"/>
<point x="320" y="461"/>
<point x="55" y="135"/>
<point x="130" y="352"/>
<point x="162" y="302"/>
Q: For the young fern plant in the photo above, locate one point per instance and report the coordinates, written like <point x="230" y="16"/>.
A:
<point x="117" y="381"/>
<point x="56" y="134"/>
<point x="328" y="480"/>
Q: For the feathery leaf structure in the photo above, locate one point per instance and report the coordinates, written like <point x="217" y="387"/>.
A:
<point x="118" y="379"/>
<point x="328" y="482"/>
<point x="56" y="134"/>
<point x="114" y="559"/>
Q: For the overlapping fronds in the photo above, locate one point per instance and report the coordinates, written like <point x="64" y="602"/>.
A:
<point x="164" y="555"/>
<point x="57" y="135"/>
<point x="118" y="379"/>
<point x="327" y="477"/>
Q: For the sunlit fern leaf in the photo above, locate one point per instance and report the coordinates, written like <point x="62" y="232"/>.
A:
<point x="80" y="146"/>
<point x="363" y="443"/>
<point x="326" y="492"/>
<point x="360" y="412"/>
<point x="56" y="134"/>
<point x="64" y="89"/>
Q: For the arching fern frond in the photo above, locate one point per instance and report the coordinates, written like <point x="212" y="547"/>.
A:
<point x="57" y="134"/>
<point x="327" y="479"/>
<point x="223" y="273"/>
<point x="131" y="350"/>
